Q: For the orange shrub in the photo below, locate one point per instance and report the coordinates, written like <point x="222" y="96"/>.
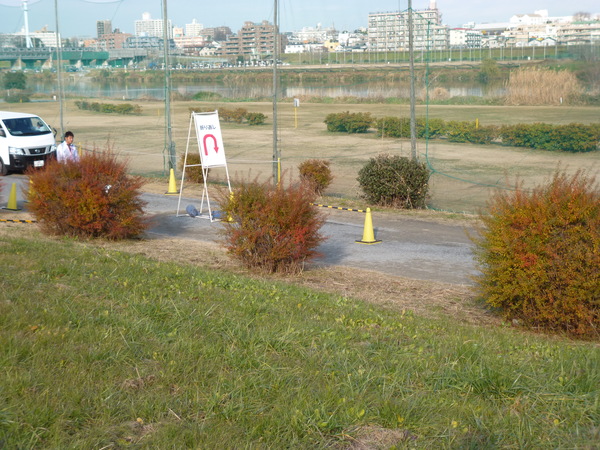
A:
<point x="539" y="255"/>
<point x="93" y="198"/>
<point x="195" y="173"/>
<point x="272" y="228"/>
<point x="316" y="173"/>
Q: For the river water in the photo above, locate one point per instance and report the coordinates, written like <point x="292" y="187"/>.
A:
<point x="88" y="88"/>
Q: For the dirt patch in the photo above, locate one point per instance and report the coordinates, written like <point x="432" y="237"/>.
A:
<point x="375" y="438"/>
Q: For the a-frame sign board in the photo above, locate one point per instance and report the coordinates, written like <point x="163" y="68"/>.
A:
<point x="212" y="155"/>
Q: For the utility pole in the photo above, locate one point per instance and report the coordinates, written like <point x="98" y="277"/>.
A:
<point x="276" y="155"/>
<point x="413" y="120"/>
<point x="169" y="145"/>
<point x="59" y="69"/>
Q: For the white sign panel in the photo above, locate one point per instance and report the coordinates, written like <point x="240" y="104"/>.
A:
<point x="210" y="142"/>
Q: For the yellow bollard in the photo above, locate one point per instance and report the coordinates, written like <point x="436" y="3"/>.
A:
<point x="368" y="234"/>
<point x="172" y="184"/>
<point x="12" y="199"/>
<point x="31" y="191"/>
<point x="229" y="218"/>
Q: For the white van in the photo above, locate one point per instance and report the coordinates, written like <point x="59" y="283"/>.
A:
<point x="25" y="140"/>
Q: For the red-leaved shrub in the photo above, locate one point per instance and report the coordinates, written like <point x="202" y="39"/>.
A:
<point x="539" y="255"/>
<point x="92" y="198"/>
<point x="316" y="173"/>
<point x="272" y="228"/>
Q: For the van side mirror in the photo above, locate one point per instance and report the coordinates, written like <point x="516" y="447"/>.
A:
<point x="2" y="132"/>
<point x="54" y="132"/>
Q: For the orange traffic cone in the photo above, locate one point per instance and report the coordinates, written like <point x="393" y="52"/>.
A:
<point x="368" y="234"/>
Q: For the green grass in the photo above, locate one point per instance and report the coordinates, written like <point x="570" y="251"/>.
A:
<point x="101" y="349"/>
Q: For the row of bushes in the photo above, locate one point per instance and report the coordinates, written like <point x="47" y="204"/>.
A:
<point x="573" y="137"/>
<point x="536" y="249"/>
<point x="17" y="96"/>
<point x="109" y="108"/>
<point x="237" y="115"/>
<point x="348" y="122"/>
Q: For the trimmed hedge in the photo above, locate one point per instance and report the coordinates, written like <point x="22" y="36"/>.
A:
<point x="109" y="108"/>
<point x="399" y="127"/>
<point x="237" y="115"/>
<point x="470" y="132"/>
<point x="573" y="137"/>
<point x="255" y="118"/>
<point x="17" y="96"/>
<point x="395" y="181"/>
<point x="348" y="122"/>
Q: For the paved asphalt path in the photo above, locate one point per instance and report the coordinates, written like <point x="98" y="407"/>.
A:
<point x="410" y="248"/>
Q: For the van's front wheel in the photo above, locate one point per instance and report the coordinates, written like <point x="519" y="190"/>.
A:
<point x="3" y="169"/>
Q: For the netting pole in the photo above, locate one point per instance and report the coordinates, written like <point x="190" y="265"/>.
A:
<point x="276" y="155"/>
<point x="169" y="145"/>
<point x="413" y="120"/>
<point x="59" y="70"/>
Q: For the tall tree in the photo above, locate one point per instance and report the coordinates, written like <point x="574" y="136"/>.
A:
<point x="15" y="80"/>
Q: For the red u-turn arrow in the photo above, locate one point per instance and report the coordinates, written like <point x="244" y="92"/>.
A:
<point x="204" y="143"/>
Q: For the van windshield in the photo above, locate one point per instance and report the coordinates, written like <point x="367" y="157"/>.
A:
<point x="26" y="126"/>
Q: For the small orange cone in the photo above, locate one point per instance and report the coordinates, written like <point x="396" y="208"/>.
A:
<point x="12" y="199"/>
<point x="172" y="184"/>
<point x="368" y="234"/>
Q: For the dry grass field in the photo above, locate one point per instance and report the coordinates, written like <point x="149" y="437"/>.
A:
<point x="464" y="173"/>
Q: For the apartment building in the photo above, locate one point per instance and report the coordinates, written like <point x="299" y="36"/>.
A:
<point x="581" y="32"/>
<point x="148" y="26"/>
<point x="464" y="38"/>
<point x="310" y="35"/>
<point x="253" y="40"/>
<point x="190" y="45"/>
<point x="388" y="31"/>
<point x="194" y="28"/>
<point x="113" y="41"/>
<point x="103" y="27"/>
<point x="44" y="37"/>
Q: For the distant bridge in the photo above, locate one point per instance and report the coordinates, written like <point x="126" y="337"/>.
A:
<point x="38" y="58"/>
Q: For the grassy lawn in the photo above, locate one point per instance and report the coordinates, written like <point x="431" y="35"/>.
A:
<point x="104" y="349"/>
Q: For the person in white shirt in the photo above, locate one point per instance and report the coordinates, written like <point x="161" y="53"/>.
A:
<point x="66" y="151"/>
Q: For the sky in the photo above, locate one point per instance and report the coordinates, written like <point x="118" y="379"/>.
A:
<point x="77" y="18"/>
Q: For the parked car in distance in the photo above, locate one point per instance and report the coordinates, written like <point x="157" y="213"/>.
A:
<point x="25" y="140"/>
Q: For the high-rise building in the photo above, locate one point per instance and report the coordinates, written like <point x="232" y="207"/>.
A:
<point x="152" y="27"/>
<point x="388" y="31"/>
<point x="194" y="28"/>
<point x="103" y="27"/>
